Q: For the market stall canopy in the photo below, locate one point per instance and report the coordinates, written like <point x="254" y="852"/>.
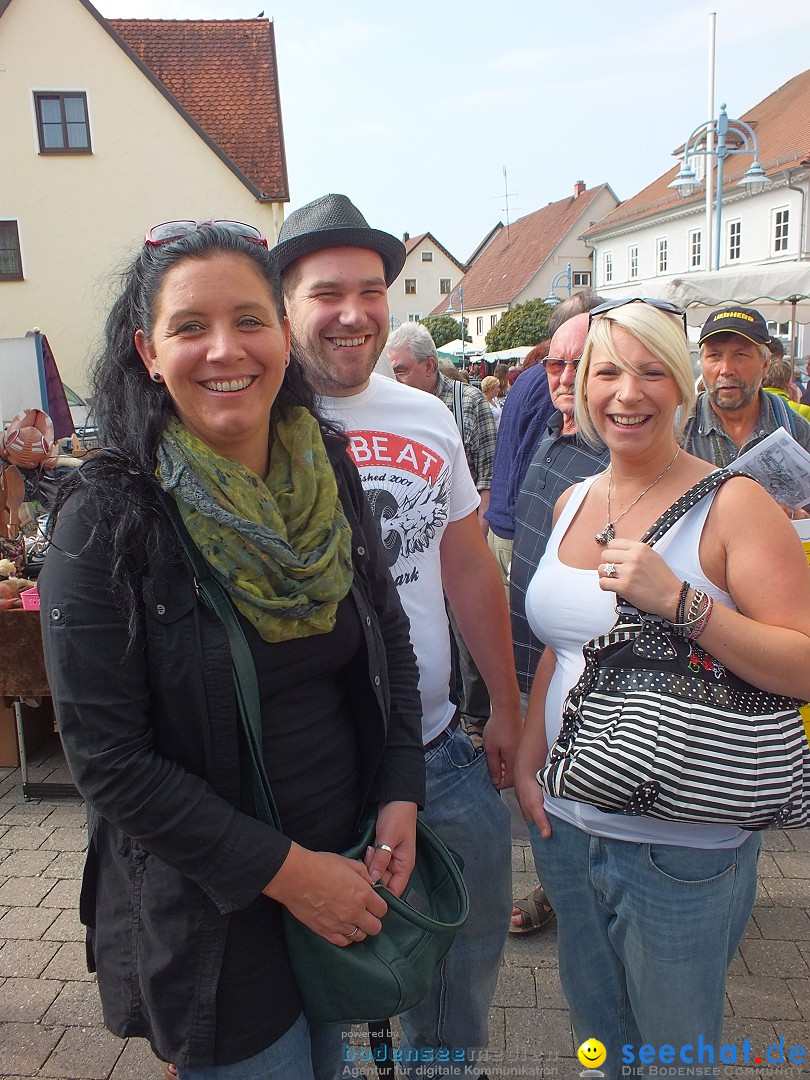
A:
<point x="517" y="354"/>
<point x="459" y="348"/>
<point x="781" y="292"/>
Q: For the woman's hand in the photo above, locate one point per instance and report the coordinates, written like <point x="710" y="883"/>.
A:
<point x="331" y="895"/>
<point x="640" y="575"/>
<point x="391" y="860"/>
<point x="530" y="793"/>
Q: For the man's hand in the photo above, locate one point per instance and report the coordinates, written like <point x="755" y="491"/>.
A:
<point x="502" y="733"/>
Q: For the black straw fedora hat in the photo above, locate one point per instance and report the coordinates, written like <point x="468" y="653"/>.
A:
<point x="333" y="221"/>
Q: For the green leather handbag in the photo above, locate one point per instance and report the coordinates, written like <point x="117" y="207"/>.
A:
<point x="381" y="975"/>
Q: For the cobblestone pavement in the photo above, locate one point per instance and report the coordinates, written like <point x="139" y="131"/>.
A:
<point x="50" y="1018"/>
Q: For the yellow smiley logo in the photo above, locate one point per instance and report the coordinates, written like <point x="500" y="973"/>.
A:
<point x="592" y="1054"/>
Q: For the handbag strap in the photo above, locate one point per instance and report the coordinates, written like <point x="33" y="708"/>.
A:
<point x="683" y="505"/>
<point x="244" y="670"/>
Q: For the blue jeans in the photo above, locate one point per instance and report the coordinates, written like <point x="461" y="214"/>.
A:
<point x="465" y="810"/>
<point x="308" y="1051"/>
<point x="645" y="935"/>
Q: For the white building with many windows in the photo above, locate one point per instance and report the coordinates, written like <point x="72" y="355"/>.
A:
<point x="655" y="244"/>
<point x="429" y="275"/>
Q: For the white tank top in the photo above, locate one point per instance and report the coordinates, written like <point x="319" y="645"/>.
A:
<point x="565" y="608"/>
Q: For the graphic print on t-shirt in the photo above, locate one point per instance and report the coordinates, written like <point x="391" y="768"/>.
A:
<point x="407" y="485"/>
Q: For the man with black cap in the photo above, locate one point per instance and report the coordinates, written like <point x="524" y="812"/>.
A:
<point x="335" y="271"/>
<point x="735" y="412"/>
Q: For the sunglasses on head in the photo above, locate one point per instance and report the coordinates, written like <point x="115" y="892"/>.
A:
<point x="169" y="231"/>
<point x="556" y="366"/>
<point x="650" y="301"/>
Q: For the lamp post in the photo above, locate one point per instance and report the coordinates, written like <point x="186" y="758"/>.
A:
<point x="564" y="276"/>
<point x="451" y="311"/>
<point x="699" y="144"/>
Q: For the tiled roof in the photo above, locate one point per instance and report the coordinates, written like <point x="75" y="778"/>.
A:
<point x="415" y="241"/>
<point x="514" y="255"/>
<point x="782" y="126"/>
<point x="223" y="73"/>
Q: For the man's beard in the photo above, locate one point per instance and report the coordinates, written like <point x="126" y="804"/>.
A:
<point x="323" y="379"/>
<point x="747" y="396"/>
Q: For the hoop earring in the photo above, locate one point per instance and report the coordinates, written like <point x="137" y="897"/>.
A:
<point x="157" y="377"/>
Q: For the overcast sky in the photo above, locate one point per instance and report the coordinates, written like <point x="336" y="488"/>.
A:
<point x="413" y="109"/>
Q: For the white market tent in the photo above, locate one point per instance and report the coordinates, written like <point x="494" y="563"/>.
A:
<point x="517" y="354"/>
<point x="459" y="348"/>
<point x="781" y="292"/>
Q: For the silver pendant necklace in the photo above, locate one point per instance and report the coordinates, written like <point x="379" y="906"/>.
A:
<point x="608" y="534"/>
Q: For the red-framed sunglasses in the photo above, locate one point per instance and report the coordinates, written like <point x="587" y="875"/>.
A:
<point x="168" y="231"/>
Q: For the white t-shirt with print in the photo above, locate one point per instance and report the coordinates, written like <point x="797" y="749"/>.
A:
<point x="411" y="460"/>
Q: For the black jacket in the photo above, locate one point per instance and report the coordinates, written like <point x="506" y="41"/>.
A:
<point x="151" y="736"/>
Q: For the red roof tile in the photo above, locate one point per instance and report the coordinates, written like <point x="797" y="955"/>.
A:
<point x="514" y="255"/>
<point x="223" y="73"/>
<point x="782" y="126"/>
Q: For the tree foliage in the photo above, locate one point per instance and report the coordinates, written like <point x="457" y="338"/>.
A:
<point x="444" y="328"/>
<point x="525" y="324"/>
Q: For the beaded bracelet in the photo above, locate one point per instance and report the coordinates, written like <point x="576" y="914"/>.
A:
<point x="697" y="610"/>
<point x="680" y="610"/>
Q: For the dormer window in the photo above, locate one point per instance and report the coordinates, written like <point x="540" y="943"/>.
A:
<point x="62" y="123"/>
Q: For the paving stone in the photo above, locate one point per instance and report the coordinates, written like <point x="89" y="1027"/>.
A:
<point x="540" y="1034"/>
<point x="781" y="958"/>
<point x="761" y="997"/>
<point x="26" y="1001"/>
<point x="763" y="897"/>
<point x="26" y="837"/>
<point x="78" y="1003"/>
<point x="768" y="866"/>
<point x="24" y="1048"/>
<point x="533" y="950"/>
<point x="737" y="965"/>
<point x="88" y="1053"/>
<point x="137" y="1062"/>
<point x="776" y="840"/>
<point x="65" y="927"/>
<point x="24" y="891"/>
<point x="760" y="1033"/>
<point x="497" y="1030"/>
<point x="785" y="893"/>
<point x="26" y="959"/>
<point x="70" y="814"/>
<point x="68" y="962"/>
<point x="521" y="859"/>
<point x="67" y="864"/>
<point x="66" y="839"/>
<point x="28" y="923"/>
<point x="792" y="864"/>
<point x="800" y="839"/>
<point x="26" y="863"/>
<point x="787" y="924"/>
<point x="26" y="814"/>
<point x="64" y="894"/>
<point x="800" y="989"/>
<point x="516" y="987"/>
<point x="549" y="989"/>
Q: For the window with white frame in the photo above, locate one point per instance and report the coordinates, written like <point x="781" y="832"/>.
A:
<point x="444" y="286"/>
<point x="427" y="256"/>
<point x="661" y="254"/>
<point x="10" y="255"/>
<point x="581" y="279"/>
<point x="608" y="267"/>
<point x="781" y="221"/>
<point x="493" y="319"/>
<point x="410" y="286"/>
<point x="632" y="262"/>
<point x="734" y="240"/>
<point x="414" y="316"/>
<point x="695" y="249"/>
<point x="479" y="324"/>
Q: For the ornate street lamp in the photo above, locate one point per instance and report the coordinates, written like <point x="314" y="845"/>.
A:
<point x="564" y="276"/>
<point x="699" y="144"/>
<point x="451" y="311"/>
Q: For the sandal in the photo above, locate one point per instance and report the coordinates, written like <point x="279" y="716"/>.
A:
<point x="171" y="1071"/>
<point x="534" y="911"/>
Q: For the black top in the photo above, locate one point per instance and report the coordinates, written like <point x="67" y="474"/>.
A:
<point x="310" y="753"/>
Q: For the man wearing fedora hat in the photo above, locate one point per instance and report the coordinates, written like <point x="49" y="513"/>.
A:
<point x="734" y="412"/>
<point x="335" y="271"/>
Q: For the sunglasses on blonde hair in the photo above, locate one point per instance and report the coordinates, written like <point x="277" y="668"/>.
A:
<point x="659" y="305"/>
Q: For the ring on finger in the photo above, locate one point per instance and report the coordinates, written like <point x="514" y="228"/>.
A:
<point x="385" y="847"/>
<point x="355" y="931"/>
<point x="610" y="569"/>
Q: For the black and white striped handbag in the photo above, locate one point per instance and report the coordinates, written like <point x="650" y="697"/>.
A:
<point x="657" y="726"/>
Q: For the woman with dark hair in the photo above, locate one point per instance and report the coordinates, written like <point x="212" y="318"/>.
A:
<point x="199" y="401"/>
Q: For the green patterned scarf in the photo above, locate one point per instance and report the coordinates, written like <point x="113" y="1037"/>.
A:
<point x="282" y="547"/>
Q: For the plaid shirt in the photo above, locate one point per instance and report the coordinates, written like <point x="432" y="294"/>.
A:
<point x="560" y="461"/>
<point x="479" y="429"/>
<point x="705" y="437"/>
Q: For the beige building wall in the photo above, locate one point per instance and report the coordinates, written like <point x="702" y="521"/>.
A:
<point x="428" y="277"/>
<point x="82" y="216"/>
